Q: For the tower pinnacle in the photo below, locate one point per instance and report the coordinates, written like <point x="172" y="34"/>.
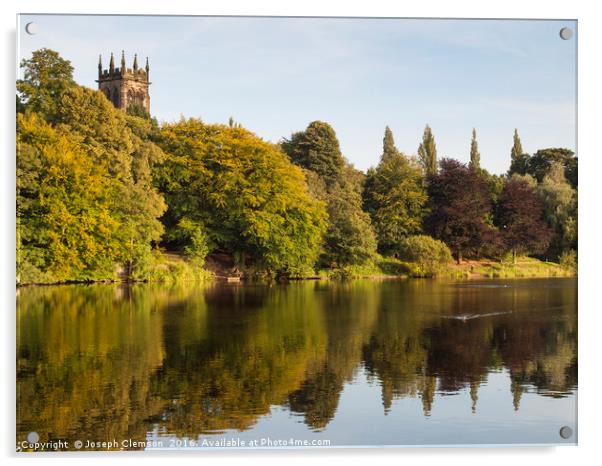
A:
<point x="125" y="88"/>
<point x="122" y="63"/>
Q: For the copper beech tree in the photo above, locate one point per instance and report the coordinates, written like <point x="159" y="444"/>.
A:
<point x="459" y="202"/>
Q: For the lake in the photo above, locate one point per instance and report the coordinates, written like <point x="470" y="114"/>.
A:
<point x="310" y="363"/>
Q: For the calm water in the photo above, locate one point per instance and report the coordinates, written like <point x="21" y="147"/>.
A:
<point x="359" y="363"/>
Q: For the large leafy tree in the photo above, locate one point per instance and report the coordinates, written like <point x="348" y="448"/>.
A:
<point x="394" y="196"/>
<point x="520" y="218"/>
<point x="121" y="145"/>
<point x="46" y="76"/>
<point x="67" y="229"/>
<point x="460" y="203"/>
<point x="519" y="160"/>
<point x="541" y="163"/>
<point x="317" y="149"/>
<point x="349" y="238"/>
<point x="93" y="134"/>
<point x="243" y="192"/>
<point x="427" y="152"/>
<point x="560" y="201"/>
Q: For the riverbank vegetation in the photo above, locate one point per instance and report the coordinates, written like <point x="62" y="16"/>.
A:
<point x="103" y="194"/>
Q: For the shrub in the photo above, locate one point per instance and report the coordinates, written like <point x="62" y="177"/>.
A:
<point x="427" y="256"/>
<point x="568" y="260"/>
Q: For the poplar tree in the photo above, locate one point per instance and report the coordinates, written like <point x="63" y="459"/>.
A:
<point x="519" y="161"/>
<point x="475" y="156"/>
<point x="427" y="152"/>
<point x="389" y="149"/>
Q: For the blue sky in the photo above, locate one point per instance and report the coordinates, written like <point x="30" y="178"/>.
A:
<point x="275" y="75"/>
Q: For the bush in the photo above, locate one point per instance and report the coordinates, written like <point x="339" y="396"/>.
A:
<point x="194" y="238"/>
<point x="427" y="256"/>
<point x="568" y="260"/>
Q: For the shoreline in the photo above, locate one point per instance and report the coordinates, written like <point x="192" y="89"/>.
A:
<point x="463" y="272"/>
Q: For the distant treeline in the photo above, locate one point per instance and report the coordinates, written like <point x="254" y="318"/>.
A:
<point x="101" y="193"/>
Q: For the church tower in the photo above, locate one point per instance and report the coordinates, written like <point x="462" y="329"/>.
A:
<point x="125" y="87"/>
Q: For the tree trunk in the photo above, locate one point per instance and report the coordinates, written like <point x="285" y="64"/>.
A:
<point x="459" y="257"/>
<point x="514" y="256"/>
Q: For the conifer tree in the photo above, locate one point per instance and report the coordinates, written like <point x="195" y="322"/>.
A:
<point x="475" y="156"/>
<point x="427" y="152"/>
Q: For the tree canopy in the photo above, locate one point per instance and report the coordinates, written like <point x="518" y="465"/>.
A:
<point x="427" y="152"/>
<point x="519" y="160"/>
<point x="560" y="203"/>
<point x="520" y="218"/>
<point x="243" y="191"/>
<point x="475" y="156"/>
<point x="459" y="204"/>
<point x="349" y="238"/>
<point x="102" y="193"/>
<point x="317" y="149"/>
<point x="84" y="143"/>
<point x="394" y="196"/>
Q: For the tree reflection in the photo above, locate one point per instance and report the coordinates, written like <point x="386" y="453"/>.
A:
<point x="105" y="361"/>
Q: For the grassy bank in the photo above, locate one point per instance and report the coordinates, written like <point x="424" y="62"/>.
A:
<point x="174" y="268"/>
<point x="523" y="268"/>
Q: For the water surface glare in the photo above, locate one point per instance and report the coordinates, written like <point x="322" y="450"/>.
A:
<point x="301" y="364"/>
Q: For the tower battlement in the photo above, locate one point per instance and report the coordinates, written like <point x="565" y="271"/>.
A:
<point x="125" y="87"/>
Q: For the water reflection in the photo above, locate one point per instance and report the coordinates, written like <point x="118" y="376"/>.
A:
<point x="106" y="361"/>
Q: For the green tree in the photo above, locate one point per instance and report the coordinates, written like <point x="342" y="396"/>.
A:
<point x="248" y="197"/>
<point x="427" y="152"/>
<point x="317" y="149"/>
<point x="541" y="163"/>
<point x="67" y="229"/>
<point x="349" y="238"/>
<point x="94" y="133"/>
<point x="520" y="218"/>
<point x="138" y="110"/>
<point x="389" y="149"/>
<point x="121" y="145"/>
<point x="519" y="161"/>
<point x="560" y="201"/>
<point x="46" y="76"/>
<point x="475" y="156"/>
<point x="460" y="204"/>
<point x="394" y="196"/>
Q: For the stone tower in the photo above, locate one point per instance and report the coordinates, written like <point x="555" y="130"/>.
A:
<point x="123" y="86"/>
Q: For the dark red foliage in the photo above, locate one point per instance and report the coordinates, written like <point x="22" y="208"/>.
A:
<point x="520" y="218"/>
<point x="460" y="203"/>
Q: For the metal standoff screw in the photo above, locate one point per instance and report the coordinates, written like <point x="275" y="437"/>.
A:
<point x="566" y="33"/>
